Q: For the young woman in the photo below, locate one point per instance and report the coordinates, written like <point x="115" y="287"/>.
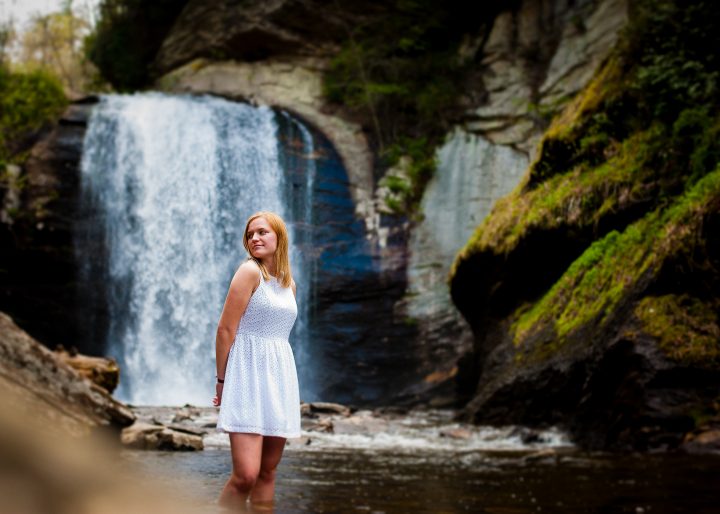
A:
<point x="257" y="386"/>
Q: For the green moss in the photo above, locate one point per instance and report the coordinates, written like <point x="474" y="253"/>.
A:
<point x="562" y="146"/>
<point x="686" y="328"/>
<point x="611" y="268"/>
<point x="397" y="184"/>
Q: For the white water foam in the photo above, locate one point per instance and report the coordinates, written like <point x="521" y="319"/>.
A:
<point x="417" y="431"/>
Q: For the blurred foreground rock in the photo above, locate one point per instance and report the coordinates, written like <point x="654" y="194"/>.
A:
<point x="45" y="468"/>
<point x="41" y="384"/>
<point x="47" y="471"/>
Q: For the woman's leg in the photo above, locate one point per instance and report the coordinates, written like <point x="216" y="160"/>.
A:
<point x="246" y="450"/>
<point x="264" y="489"/>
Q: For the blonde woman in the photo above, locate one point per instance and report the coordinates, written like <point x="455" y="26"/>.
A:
<point x="257" y="386"/>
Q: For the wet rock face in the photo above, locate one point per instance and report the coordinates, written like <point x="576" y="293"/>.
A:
<point x="38" y="248"/>
<point x="472" y="174"/>
<point x="359" y="351"/>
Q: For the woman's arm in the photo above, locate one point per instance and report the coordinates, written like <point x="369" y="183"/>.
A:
<point x="243" y="284"/>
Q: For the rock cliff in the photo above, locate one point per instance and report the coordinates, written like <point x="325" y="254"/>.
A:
<point x="535" y="56"/>
<point x="592" y="289"/>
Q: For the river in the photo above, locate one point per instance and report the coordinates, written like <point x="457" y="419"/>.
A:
<point x="424" y="462"/>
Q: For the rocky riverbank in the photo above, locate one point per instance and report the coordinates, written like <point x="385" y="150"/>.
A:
<point x="331" y="426"/>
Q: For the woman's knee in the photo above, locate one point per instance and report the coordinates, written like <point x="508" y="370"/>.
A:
<point x="267" y="474"/>
<point x="243" y="481"/>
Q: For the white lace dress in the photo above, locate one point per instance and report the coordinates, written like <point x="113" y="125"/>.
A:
<point x="260" y="394"/>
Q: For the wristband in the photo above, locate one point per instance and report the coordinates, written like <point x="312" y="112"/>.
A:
<point x="220" y="380"/>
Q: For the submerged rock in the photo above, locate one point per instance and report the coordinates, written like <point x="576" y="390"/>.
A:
<point x="362" y="422"/>
<point x="703" y="440"/>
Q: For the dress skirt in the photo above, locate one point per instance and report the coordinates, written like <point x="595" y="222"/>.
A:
<point x="260" y="394"/>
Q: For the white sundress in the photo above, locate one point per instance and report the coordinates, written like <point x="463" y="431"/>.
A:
<point x="260" y="394"/>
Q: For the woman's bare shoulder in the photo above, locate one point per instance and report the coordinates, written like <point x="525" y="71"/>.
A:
<point x="248" y="273"/>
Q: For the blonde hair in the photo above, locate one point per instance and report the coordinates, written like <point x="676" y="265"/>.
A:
<point x="282" y="252"/>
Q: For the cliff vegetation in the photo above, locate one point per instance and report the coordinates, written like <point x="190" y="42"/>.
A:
<point x="28" y="102"/>
<point x="404" y="76"/>
<point x="127" y="37"/>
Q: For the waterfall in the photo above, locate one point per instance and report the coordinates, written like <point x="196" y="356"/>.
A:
<point x="169" y="182"/>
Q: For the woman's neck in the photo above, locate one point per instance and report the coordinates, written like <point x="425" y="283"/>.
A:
<point x="269" y="264"/>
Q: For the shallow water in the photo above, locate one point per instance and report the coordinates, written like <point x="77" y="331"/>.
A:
<point x="380" y="482"/>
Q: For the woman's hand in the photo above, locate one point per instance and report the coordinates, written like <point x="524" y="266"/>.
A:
<point x="218" y="394"/>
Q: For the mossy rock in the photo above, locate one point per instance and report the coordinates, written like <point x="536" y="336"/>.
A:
<point x="617" y="268"/>
<point x="686" y="328"/>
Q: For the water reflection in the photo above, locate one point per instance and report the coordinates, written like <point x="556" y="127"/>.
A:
<point x="566" y="481"/>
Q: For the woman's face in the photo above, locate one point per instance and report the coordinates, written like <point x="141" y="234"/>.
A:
<point x="261" y="238"/>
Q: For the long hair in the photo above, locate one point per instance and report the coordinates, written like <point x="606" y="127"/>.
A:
<point x="282" y="253"/>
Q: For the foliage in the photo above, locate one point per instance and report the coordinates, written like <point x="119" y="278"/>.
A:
<point x="672" y="44"/>
<point x="402" y="76"/>
<point x="53" y="42"/>
<point x="28" y="101"/>
<point x="6" y="36"/>
<point x="416" y="162"/>
<point x="127" y="37"/>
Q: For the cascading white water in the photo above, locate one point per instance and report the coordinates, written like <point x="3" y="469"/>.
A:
<point x="173" y="179"/>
